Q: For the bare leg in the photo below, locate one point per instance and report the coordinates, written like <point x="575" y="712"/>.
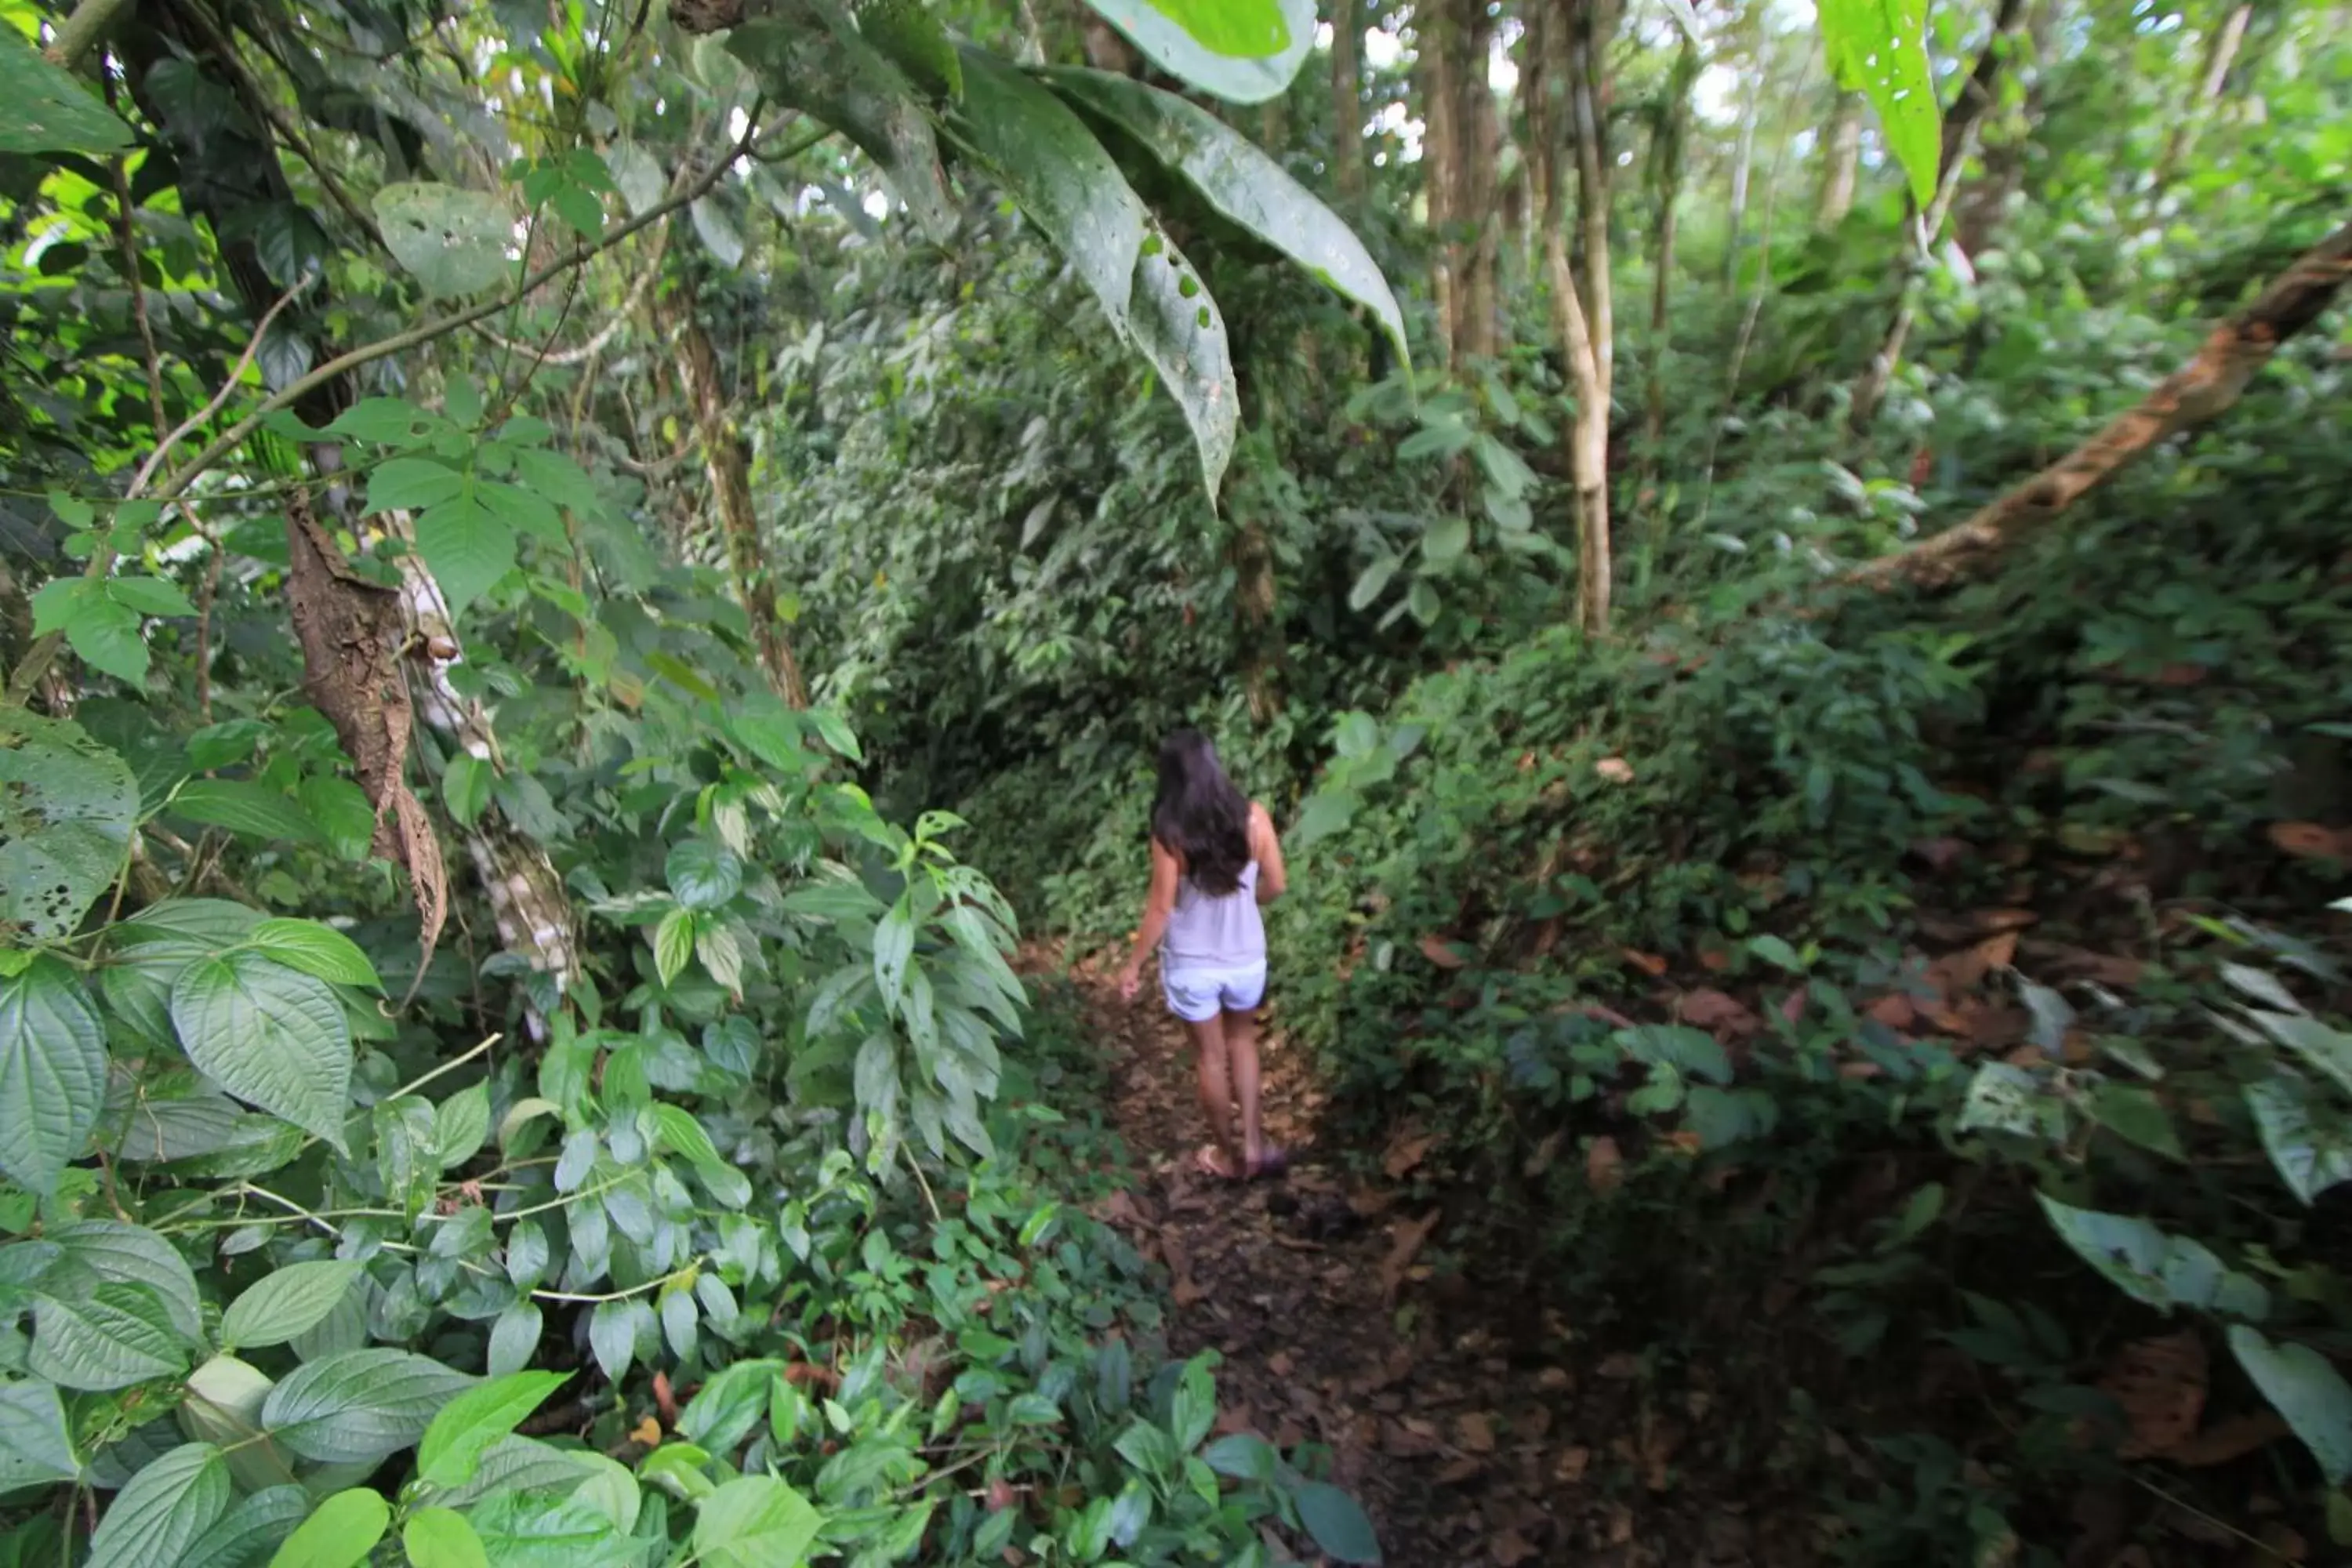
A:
<point x="1241" y="1048"/>
<point x="1210" y="1045"/>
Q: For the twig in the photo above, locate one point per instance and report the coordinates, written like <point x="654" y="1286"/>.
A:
<point x="229" y="389"/>
<point x="442" y="326"/>
<point x="82" y="32"/>
<point x="128" y="243"/>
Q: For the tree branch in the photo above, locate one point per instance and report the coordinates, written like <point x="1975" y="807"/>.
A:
<point x="442" y="326"/>
<point x="2194" y="395"/>
<point x="83" y="31"/>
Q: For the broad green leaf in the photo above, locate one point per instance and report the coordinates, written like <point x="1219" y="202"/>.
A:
<point x="48" y="110"/>
<point x="149" y="596"/>
<point x="461" y="1125"/>
<point x="2305" y="1388"/>
<point x="556" y="479"/>
<point x="287" y="1302"/>
<point x="1244" y="51"/>
<point x="1325" y="813"/>
<point x="703" y="874"/>
<point x="244" y="807"/>
<point x="315" y="948"/>
<point x="1244" y="184"/>
<point x="359" y="1406"/>
<point x="894" y="949"/>
<point x="451" y="241"/>
<point x="2164" y="1271"/>
<point x="484" y="1415"/>
<point x="223" y="1406"/>
<point x="413" y="484"/>
<point x="1181" y="333"/>
<point x="36" y="1444"/>
<point x="673" y="945"/>
<point x="725" y="1410"/>
<point x="116" y="1335"/>
<point x="1338" y="1523"/>
<point x="468" y="548"/>
<point x="340" y="1535"/>
<point x="2310" y="1146"/>
<point x="133" y="1255"/>
<point x="67" y="806"/>
<point x="1879" y="46"/>
<point x="2328" y="1050"/>
<point x="2135" y="1114"/>
<point x="755" y="1521"/>
<point x="273" y="1036"/>
<point x="809" y="57"/>
<point x="1245" y="1457"/>
<point x="1374" y="580"/>
<point x="163" y="1510"/>
<point x="250" y="1531"/>
<point x="440" y="1538"/>
<point x="514" y="1338"/>
<point x="1446" y="541"/>
<point x="52" y="1072"/>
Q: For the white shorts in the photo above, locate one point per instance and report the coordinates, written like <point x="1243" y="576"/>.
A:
<point x="1199" y="993"/>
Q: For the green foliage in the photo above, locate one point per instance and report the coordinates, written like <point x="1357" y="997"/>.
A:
<point x="1879" y="46"/>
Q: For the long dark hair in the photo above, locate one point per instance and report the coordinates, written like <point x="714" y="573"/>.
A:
<point x="1200" y="815"/>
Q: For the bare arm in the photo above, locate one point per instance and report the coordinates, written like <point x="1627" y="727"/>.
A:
<point x="1266" y="849"/>
<point x="1158" y="904"/>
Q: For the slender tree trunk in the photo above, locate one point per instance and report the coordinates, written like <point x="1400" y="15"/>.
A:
<point x="1673" y="132"/>
<point x="2220" y="51"/>
<point x="1959" y="139"/>
<point x="1481" y="150"/>
<point x="1568" y="47"/>
<point x="1984" y="202"/>
<point x="1441" y="166"/>
<point x="1347" y="99"/>
<point x="728" y="467"/>
<point x="2200" y="391"/>
<point x="1743" y="162"/>
<point x="1841" y="162"/>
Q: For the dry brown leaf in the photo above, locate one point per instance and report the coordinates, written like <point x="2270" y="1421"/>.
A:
<point x="1434" y="948"/>
<point x="2159" y="1383"/>
<point x="1893" y="1010"/>
<point x="2230" y="1441"/>
<point x="1460" y="1470"/>
<point x="1540" y="1161"/>
<point x="2310" y="841"/>
<point x="1621" y="1365"/>
<point x="1474" y="1433"/>
<point x="648" y="1432"/>
<point x="1406" y="1151"/>
<point x="1649" y="963"/>
<point x="1511" y="1549"/>
<point x="1408" y="1237"/>
<point x="1572" y="1462"/>
<point x="1685" y="1142"/>
<point x="1604" y="1164"/>
<point x="1710" y="1009"/>
<point x="1280" y="1363"/>
<point x="1940" y="854"/>
<point x="1616" y="770"/>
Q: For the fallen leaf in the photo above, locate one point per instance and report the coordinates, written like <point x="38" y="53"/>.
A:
<point x="1555" y="1380"/>
<point x="1604" y="1164"/>
<point x="1616" y="770"/>
<point x="1649" y="963"/>
<point x="1685" y="1142"/>
<point x="1460" y="1470"/>
<point x="1511" y="1549"/>
<point x="1893" y="1010"/>
<point x="1708" y="1009"/>
<point x="1540" y="1161"/>
<point x="1280" y="1363"/>
<point x="1408" y="1237"/>
<point x="648" y="1432"/>
<point x="664" y="1400"/>
<point x="1474" y="1433"/>
<point x="2310" y="841"/>
<point x="1792" y="1005"/>
<point x="1572" y="1463"/>
<point x="1621" y="1365"/>
<point x="1940" y="854"/>
<point x="2159" y="1383"/>
<point x="1434" y="948"/>
<point x="1406" y="1151"/>
<point x="2229" y="1441"/>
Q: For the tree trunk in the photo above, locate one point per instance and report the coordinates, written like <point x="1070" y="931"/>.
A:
<point x="2196" y="393"/>
<point x="1347" y="99"/>
<point x="1743" y="162"/>
<point x="1958" y="140"/>
<point x="222" y="172"/>
<point x="728" y="467"/>
<point x="1440" y="161"/>
<point x="1842" y="162"/>
<point x="1481" y="146"/>
<point x="1568" y="47"/>
<point x="1673" y="132"/>
<point x="2220" y="51"/>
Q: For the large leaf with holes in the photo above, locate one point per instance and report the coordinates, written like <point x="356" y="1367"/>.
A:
<point x="52" y="1072"/>
<point x="49" y="111"/>
<point x="67" y="806"/>
<point x="450" y="240"/>
<point x="808" y="56"/>
<point x="361" y="1407"/>
<point x="1880" y="47"/>
<point x="271" y="1035"/>
<point x="1244" y="51"/>
<point x="1242" y="182"/>
<point x="1038" y="148"/>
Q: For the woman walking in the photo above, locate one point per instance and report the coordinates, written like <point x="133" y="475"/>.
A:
<point x="1215" y="859"/>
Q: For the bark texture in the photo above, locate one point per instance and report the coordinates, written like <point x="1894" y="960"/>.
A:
<point x="2194" y="395"/>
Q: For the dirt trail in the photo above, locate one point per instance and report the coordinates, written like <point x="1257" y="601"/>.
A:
<point x="1447" y="1419"/>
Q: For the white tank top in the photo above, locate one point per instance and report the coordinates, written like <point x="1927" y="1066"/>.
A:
<point x="1207" y="929"/>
